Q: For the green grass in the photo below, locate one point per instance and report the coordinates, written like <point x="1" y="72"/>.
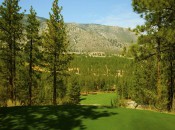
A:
<point x="83" y="117"/>
<point x="103" y="99"/>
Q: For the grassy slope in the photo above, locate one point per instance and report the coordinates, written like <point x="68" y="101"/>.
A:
<point x="83" y="117"/>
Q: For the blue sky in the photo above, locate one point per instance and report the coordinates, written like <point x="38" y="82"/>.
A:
<point x="106" y="12"/>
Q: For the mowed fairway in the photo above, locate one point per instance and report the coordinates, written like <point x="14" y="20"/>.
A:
<point x="101" y="99"/>
<point x="82" y="117"/>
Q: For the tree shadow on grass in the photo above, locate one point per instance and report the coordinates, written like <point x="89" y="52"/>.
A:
<point x="49" y="117"/>
<point x="81" y="99"/>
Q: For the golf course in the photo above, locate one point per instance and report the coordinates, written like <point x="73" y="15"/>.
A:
<point x="87" y="117"/>
<point x="87" y="64"/>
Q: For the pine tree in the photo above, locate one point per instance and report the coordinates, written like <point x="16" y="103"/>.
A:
<point x="159" y="32"/>
<point x="32" y="30"/>
<point x="12" y="30"/>
<point x="56" y="45"/>
<point x="169" y="64"/>
<point x="73" y="90"/>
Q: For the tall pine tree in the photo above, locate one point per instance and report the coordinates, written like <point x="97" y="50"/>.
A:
<point x="32" y="30"/>
<point x="56" y="45"/>
<point x="159" y="32"/>
<point x="12" y="30"/>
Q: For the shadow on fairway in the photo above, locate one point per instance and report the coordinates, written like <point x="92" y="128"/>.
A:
<point x="49" y="117"/>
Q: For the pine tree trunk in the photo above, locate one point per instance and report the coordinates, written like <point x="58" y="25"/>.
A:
<point x="30" y="73"/>
<point x="54" y="81"/>
<point x="14" y="69"/>
<point x="171" y="84"/>
<point x="159" y="89"/>
<point x="11" y="80"/>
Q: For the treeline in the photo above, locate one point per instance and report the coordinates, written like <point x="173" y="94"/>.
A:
<point x="29" y="61"/>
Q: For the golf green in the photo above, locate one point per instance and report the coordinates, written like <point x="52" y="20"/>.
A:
<point x="103" y="99"/>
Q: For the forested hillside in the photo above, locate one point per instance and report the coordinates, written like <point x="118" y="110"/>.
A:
<point x="99" y="73"/>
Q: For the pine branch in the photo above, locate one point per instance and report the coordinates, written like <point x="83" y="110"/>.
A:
<point x="4" y="29"/>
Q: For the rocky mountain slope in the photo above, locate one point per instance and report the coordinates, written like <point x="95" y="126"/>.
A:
<point x="95" y="37"/>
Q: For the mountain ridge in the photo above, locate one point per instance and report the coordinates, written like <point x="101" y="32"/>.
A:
<point x="95" y="37"/>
